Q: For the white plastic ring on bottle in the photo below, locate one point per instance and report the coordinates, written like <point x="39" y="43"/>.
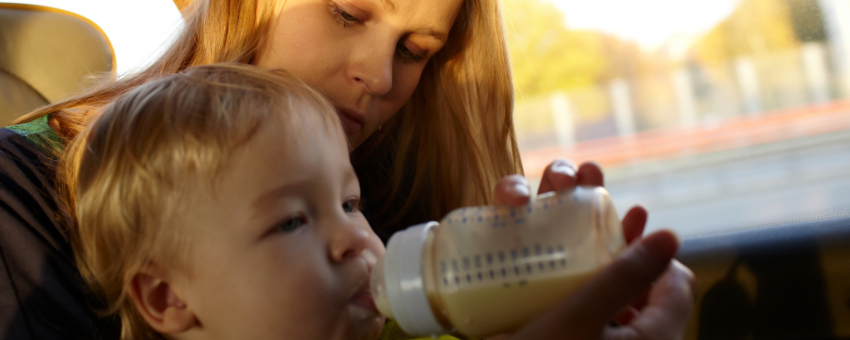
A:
<point x="405" y="284"/>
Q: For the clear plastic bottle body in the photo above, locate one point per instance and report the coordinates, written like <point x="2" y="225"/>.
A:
<point x="487" y="270"/>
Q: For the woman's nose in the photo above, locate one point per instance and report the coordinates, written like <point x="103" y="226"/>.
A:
<point x="348" y="241"/>
<point x="372" y="67"/>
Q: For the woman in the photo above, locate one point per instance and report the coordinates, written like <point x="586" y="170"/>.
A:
<point x="423" y="89"/>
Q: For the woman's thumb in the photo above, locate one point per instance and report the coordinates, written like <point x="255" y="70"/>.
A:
<point x="586" y="313"/>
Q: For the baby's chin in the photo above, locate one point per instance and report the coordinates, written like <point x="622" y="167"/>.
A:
<point x="364" y="324"/>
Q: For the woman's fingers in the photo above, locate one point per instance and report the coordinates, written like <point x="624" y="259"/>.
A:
<point x="627" y="277"/>
<point x="668" y="309"/>
<point x="590" y="174"/>
<point x="512" y="190"/>
<point x="588" y="311"/>
<point x="634" y="222"/>
<point x="559" y="175"/>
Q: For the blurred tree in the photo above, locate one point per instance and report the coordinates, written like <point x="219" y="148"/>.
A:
<point x="808" y="21"/>
<point x="547" y="57"/>
<point x="755" y="27"/>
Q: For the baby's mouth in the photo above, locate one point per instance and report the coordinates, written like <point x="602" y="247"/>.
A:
<point x="363" y="300"/>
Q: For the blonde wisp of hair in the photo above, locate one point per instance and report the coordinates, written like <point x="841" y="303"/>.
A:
<point x="447" y="146"/>
<point x="128" y="175"/>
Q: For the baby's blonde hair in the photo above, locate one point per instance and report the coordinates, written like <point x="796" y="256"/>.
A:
<point x="136" y="158"/>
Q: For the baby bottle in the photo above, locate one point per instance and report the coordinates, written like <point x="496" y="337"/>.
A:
<point x="488" y="270"/>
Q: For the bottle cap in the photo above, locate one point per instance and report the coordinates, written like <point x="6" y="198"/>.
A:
<point x="405" y="284"/>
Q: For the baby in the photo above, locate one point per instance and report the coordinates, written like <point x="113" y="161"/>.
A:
<point x="220" y="203"/>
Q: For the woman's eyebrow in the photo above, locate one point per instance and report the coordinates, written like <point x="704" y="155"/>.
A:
<point x="434" y="33"/>
<point x="389" y="5"/>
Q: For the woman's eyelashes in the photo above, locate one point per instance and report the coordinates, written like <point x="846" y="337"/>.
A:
<point x="406" y="55"/>
<point x="347" y="19"/>
<point x="343" y="17"/>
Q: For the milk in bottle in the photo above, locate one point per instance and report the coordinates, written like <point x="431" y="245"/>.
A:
<point x="487" y="270"/>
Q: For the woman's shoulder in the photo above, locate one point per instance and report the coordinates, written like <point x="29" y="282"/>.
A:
<point x="41" y="291"/>
<point x="37" y="131"/>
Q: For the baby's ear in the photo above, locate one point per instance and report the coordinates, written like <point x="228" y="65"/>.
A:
<point x="158" y="303"/>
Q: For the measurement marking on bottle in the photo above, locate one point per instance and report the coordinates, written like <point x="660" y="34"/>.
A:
<point x="525" y="261"/>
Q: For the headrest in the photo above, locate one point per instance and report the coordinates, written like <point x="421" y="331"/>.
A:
<point x="54" y="52"/>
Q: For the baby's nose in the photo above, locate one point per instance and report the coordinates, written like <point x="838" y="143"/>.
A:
<point x="349" y="241"/>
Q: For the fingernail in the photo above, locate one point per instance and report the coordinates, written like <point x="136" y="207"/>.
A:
<point x="564" y="174"/>
<point x="661" y="245"/>
<point x="520" y="189"/>
<point x="566" y="169"/>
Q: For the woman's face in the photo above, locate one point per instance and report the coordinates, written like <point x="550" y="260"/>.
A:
<point x="366" y="56"/>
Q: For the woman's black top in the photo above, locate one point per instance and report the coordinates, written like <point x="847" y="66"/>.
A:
<point x="42" y="295"/>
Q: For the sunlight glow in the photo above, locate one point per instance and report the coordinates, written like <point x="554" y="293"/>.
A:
<point x="650" y="23"/>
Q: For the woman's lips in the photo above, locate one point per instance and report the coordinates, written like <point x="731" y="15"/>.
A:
<point x="351" y="123"/>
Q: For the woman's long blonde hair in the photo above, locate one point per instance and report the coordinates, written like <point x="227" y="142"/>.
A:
<point x="447" y="146"/>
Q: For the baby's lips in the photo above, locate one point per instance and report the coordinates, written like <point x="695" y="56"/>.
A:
<point x="363" y="299"/>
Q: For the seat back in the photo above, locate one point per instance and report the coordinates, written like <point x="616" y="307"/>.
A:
<point x="46" y="54"/>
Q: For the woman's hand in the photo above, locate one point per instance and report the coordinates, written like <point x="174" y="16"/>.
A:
<point x="563" y="175"/>
<point x="587" y="313"/>
<point x="623" y="291"/>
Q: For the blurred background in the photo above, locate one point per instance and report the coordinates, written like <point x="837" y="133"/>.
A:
<point x="713" y="114"/>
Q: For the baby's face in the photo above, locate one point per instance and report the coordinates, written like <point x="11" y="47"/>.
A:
<point x="279" y="249"/>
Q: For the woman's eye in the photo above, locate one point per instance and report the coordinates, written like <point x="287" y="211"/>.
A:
<point x="342" y="16"/>
<point x="350" y="205"/>
<point x="291" y="224"/>
<point x="407" y="56"/>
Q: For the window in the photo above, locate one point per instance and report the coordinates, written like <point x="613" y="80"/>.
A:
<point x="713" y="114"/>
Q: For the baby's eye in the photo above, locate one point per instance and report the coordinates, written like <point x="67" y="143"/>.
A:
<point x="292" y="223"/>
<point x="350" y="205"/>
